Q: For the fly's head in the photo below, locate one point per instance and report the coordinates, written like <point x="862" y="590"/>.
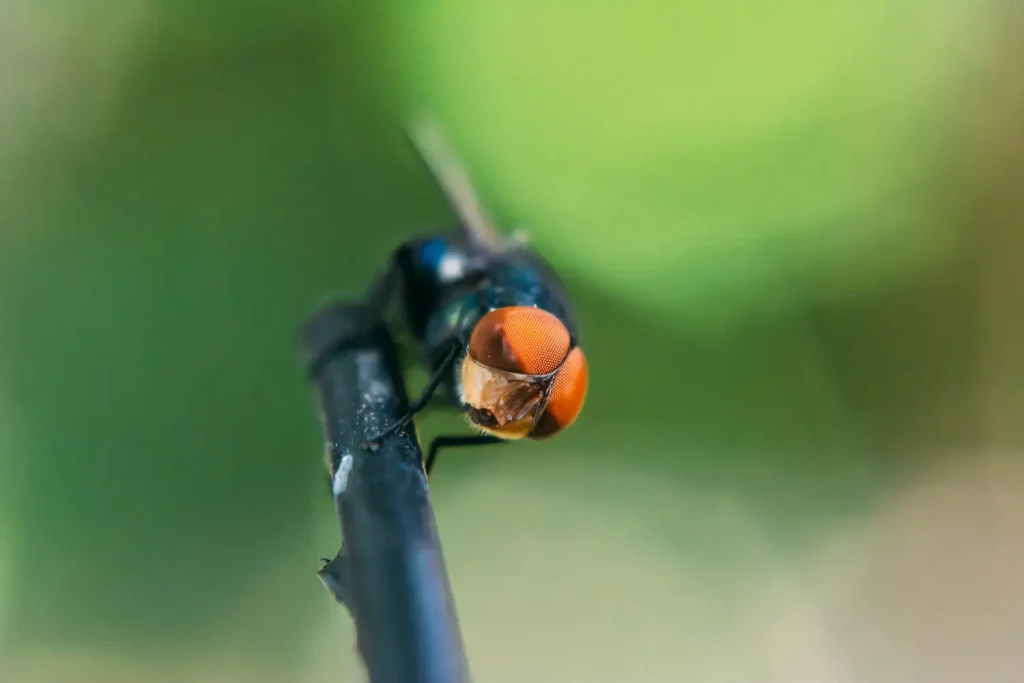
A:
<point x="522" y="375"/>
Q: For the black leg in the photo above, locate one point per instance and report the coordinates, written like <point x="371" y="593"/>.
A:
<point x="424" y="397"/>
<point x="453" y="441"/>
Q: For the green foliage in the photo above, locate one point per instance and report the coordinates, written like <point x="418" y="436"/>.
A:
<point x="702" y="160"/>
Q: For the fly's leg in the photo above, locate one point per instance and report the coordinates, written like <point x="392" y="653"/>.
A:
<point x="424" y="398"/>
<point x="454" y="441"/>
<point x="379" y="298"/>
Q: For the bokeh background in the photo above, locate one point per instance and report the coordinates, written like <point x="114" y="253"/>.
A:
<point x="794" y="233"/>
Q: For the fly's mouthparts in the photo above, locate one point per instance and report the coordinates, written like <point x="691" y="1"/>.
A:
<point x="483" y="417"/>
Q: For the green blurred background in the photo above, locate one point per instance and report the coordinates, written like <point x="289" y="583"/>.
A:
<point x="794" y="237"/>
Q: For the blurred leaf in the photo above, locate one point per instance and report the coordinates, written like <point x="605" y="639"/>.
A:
<point x="702" y="160"/>
<point x="149" y="313"/>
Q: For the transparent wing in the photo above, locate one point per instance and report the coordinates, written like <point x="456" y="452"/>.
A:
<point x="429" y="140"/>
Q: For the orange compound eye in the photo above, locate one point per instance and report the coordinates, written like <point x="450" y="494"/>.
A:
<point x="519" y="339"/>
<point x="566" y="399"/>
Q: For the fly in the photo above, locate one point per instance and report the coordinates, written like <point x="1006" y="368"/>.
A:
<point x="489" y="319"/>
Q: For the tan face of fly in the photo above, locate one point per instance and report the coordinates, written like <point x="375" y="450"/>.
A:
<point x="501" y="403"/>
<point x="522" y="376"/>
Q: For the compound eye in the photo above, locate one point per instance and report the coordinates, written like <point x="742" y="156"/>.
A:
<point x="568" y="392"/>
<point x="519" y="339"/>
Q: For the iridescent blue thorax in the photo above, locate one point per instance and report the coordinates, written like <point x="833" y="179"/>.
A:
<point x="450" y="284"/>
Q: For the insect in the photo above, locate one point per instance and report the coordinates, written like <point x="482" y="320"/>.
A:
<point x="489" y="319"/>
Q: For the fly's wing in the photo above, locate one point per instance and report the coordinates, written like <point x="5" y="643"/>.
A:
<point x="431" y="145"/>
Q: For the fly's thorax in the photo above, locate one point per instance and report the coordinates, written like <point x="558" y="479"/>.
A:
<point x="449" y="322"/>
<point x="445" y="260"/>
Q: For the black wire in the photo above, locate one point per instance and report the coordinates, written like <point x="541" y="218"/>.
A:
<point x="390" y="571"/>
